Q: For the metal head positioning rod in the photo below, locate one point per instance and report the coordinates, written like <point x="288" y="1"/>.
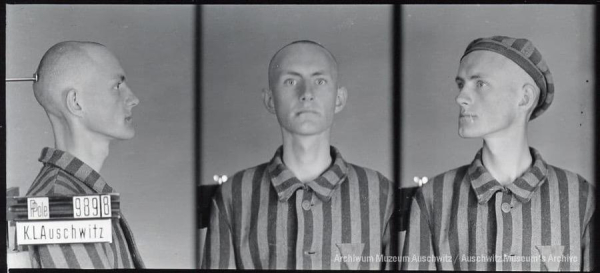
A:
<point x="33" y="79"/>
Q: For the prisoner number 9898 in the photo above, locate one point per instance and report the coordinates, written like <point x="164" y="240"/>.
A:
<point x="91" y="206"/>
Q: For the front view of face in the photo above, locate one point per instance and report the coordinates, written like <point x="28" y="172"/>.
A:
<point x="487" y="95"/>
<point x="304" y="89"/>
<point x="107" y="100"/>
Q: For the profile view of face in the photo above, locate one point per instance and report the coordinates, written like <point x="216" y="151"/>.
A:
<point x="487" y="95"/>
<point x="304" y="89"/>
<point x="107" y="100"/>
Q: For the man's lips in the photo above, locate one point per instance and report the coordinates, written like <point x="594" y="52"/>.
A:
<point x="466" y="117"/>
<point x="306" y="111"/>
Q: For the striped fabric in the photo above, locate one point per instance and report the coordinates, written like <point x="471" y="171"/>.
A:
<point x="523" y="53"/>
<point x="65" y="175"/>
<point x="267" y="218"/>
<point x="539" y="222"/>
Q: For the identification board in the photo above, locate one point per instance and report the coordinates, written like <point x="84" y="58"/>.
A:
<point x="64" y="231"/>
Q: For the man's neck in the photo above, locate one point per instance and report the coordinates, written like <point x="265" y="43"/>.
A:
<point x="306" y="156"/>
<point x="506" y="158"/>
<point x="83" y="145"/>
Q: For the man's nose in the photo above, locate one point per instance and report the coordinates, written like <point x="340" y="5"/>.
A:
<point x="306" y="92"/>
<point x="463" y="98"/>
<point x="132" y="99"/>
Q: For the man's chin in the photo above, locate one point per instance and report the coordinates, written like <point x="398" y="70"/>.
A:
<point x="307" y="130"/>
<point x="130" y="136"/>
<point x="465" y="134"/>
<point x="126" y="136"/>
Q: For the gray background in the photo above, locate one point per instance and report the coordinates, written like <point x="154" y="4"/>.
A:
<point x="238" y="42"/>
<point x="434" y="38"/>
<point x="153" y="171"/>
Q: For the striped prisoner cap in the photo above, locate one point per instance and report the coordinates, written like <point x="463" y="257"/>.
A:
<point x="523" y="53"/>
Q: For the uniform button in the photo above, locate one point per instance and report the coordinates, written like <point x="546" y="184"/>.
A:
<point x="306" y="205"/>
<point x="506" y="207"/>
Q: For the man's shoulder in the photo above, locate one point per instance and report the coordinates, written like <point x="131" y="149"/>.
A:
<point x="365" y="169"/>
<point x="246" y="175"/>
<point x="452" y="176"/>
<point x="573" y="184"/>
<point x="52" y="181"/>
<point x="369" y="176"/>
<point x="569" y="177"/>
<point x="242" y="177"/>
<point x="44" y="183"/>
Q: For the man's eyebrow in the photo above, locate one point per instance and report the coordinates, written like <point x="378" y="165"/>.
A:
<point x="318" y="73"/>
<point x="476" y="76"/>
<point x="288" y="72"/>
<point x="473" y="77"/>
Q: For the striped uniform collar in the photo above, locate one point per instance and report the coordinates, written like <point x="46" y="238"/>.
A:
<point x="523" y="187"/>
<point x="75" y="167"/>
<point x="286" y="183"/>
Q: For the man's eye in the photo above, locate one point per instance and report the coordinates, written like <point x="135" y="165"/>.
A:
<point x="460" y="85"/>
<point x="118" y="85"/>
<point x="481" y="84"/>
<point x="321" y="82"/>
<point x="289" y="82"/>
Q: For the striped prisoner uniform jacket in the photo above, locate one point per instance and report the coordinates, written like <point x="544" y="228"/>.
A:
<point x="267" y="218"/>
<point x="65" y="175"/>
<point x="465" y="220"/>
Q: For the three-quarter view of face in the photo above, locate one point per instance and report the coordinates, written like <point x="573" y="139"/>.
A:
<point x="304" y="93"/>
<point x="107" y="99"/>
<point x="489" y="94"/>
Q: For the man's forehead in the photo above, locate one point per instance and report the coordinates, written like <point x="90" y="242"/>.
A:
<point x="485" y="64"/>
<point x="483" y="60"/>
<point x="302" y="54"/>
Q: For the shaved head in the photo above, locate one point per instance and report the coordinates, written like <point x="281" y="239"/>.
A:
<point x="302" y="45"/>
<point x="64" y="66"/>
<point x="517" y="77"/>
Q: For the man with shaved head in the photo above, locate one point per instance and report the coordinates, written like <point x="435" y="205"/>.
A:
<point x="81" y="86"/>
<point x="508" y="209"/>
<point x="307" y="208"/>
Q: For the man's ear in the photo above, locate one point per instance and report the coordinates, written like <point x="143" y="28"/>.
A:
<point x="528" y="98"/>
<point x="73" y="102"/>
<point x="268" y="100"/>
<point x="340" y="99"/>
